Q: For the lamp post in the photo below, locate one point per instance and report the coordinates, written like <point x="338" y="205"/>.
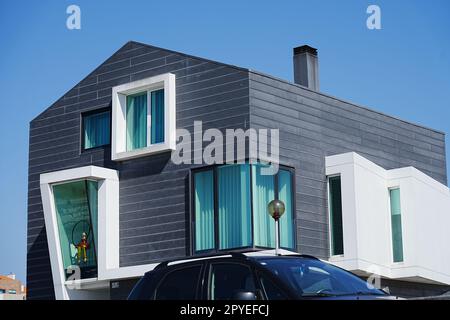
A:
<point x="276" y="209"/>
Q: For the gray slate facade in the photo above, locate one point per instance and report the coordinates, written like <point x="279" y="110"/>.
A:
<point x="155" y="193"/>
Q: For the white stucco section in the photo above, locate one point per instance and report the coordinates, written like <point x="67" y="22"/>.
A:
<point x="425" y="210"/>
<point x="108" y="235"/>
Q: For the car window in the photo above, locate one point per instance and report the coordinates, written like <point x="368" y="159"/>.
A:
<point x="227" y="279"/>
<point x="311" y="277"/>
<point x="272" y="291"/>
<point x="180" y="284"/>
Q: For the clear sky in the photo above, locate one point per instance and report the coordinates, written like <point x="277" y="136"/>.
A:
<point x="402" y="69"/>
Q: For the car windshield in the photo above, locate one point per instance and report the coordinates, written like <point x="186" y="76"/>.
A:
<point x="312" y="277"/>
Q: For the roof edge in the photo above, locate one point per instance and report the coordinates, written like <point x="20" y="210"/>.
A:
<point x="346" y="101"/>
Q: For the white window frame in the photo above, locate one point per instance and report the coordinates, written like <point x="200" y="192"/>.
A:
<point x="119" y="104"/>
<point x="108" y="249"/>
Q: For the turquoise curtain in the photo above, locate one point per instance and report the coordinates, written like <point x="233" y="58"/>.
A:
<point x="234" y="206"/>
<point x="76" y="212"/>
<point x="204" y="210"/>
<point x="136" y="121"/>
<point x="96" y="129"/>
<point x="263" y="192"/>
<point x="157" y="116"/>
<point x="335" y="203"/>
<point x="396" y="225"/>
<point x="286" y="221"/>
<point x="92" y="198"/>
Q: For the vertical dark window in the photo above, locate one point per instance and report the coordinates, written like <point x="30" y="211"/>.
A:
<point x="204" y="210"/>
<point x="96" y="129"/>
<point x="335" y="207"/>
<point x="396" y="225"/>
<point x="234" y="207"/>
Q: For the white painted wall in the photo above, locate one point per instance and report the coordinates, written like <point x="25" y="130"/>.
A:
<point x="425" y="209"/>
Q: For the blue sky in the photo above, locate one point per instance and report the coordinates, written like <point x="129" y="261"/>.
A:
<point x="402" y="69"/>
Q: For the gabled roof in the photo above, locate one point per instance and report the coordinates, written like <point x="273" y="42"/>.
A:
<point x="132" y="45"/>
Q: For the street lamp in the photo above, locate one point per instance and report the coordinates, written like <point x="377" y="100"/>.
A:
<point x="276" y="209"/>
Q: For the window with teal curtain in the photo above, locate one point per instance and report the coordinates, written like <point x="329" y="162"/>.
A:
<point x="77" y="213"/>
<point x="263" y="189"/>
<point x="396" y="225"/>
<point x="97" y="131"/>
<point x="204" y="210"/>
<point x="335" y="207"/>
<point x="234" y="206"/>
<point x="136" y="118"/>
<point x="242" y="191"/>
<point x="157" y="116"/>
<point x="286" y="222"/>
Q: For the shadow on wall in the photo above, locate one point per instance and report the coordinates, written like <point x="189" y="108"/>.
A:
<point x="39" y="273"/>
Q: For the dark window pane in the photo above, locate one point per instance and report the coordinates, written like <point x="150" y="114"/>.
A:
<point x="311" y="277"/>
<point x="227" y="279"/>
<point x="286" y="220"/>
<point x="96" y="129"/>
<point x="263" y="192"/>
<point x="272" y="291"/>
<point x="335" y="203"/>
<point x="179" y="285"/>
<point x="204" y="210"/>
<point x="157" y="116"/>
<point x="396" y="225"/>
<point x="235" y="222"/>
<point x="136" y="121"/>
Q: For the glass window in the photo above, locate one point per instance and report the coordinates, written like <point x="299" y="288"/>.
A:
<point x="263" y="192"/>
<point x="235" y="221"/>
<point x="335" y="207"/>
<point x="270" y="289"/>
<point x="396" y="225"/>
<point x="12" y="291"/>
<point x="287" y="219"/>
<point x="157" y="117"/>
<point x="145" y="126"/>
<point x="242" y="190"/>
<point x="204" y="210"/>
<point x="136" y="121"/>
<point x="77" y="215"/>
<point x="2" y="291"/>
<point x="228" y="279"/>
<point x="310" y="277"/>
<point x="96" y="129"/>
<point x="179" y="285"/>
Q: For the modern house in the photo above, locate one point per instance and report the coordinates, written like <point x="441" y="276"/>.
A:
<point x="107" y="201"/>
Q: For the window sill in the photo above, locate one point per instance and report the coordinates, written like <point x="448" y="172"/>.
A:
<point x="142" y="152"/>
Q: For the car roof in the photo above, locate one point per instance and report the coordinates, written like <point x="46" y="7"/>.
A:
<point x="244" y="255"/>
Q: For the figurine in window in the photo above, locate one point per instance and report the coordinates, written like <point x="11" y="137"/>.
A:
<point x="82" y="248"/>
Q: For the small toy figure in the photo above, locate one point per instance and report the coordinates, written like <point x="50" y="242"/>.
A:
<point x="82" y="247"/>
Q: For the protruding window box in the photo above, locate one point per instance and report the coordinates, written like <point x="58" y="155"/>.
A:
<point x="143" y="117"/>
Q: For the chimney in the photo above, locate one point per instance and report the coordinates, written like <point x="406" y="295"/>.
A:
<point x="12" y="276"/>
<point x="306" y="67"/>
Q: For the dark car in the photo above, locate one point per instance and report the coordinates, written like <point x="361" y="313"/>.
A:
<point x="251" y="276"/>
